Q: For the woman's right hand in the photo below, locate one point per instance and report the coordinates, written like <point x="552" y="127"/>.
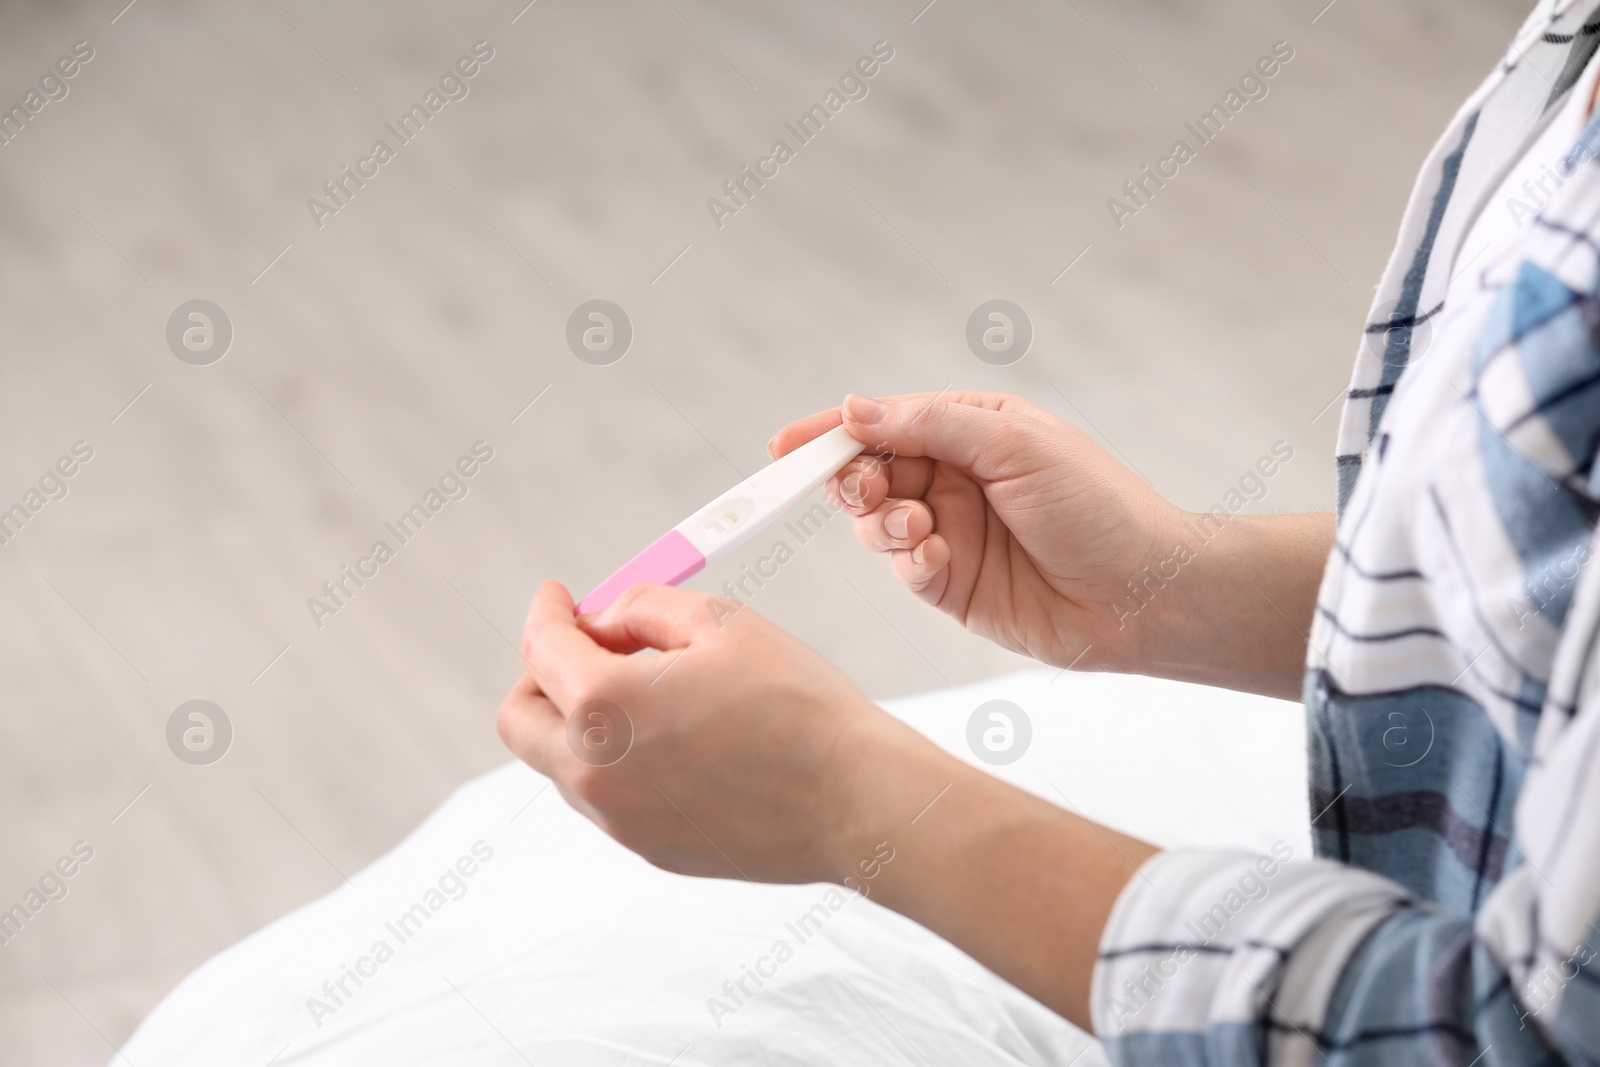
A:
<point x="1004" y="516"/>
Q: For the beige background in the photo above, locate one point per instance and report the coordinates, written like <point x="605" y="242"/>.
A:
<point x="426" y="315"/>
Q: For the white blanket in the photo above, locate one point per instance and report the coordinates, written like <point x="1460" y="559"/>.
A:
<point x="507" y="929"/>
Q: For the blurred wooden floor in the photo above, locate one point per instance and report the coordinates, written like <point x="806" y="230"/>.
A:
<point x="369" y="354"/>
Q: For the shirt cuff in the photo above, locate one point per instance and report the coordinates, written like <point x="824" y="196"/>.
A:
<point x="1205" y="948"/>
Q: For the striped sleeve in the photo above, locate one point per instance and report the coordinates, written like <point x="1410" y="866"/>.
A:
<point x="1224" y="957"/>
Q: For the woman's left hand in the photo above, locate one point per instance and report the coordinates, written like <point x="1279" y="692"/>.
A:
<point x="738" y="753"/>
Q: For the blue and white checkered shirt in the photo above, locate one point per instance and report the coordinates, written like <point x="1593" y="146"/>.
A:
<point x="1453" y="682"/>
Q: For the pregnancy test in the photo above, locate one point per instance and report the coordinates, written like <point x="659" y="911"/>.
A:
<point x="732" y="519"/>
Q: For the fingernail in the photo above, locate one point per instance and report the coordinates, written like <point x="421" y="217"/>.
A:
<point x="770" y="444"/>
<point x="918" y="555"/>
<point x="850" y="491"/>
<point x="864" y="408"/>
<point x="898" y="522"/>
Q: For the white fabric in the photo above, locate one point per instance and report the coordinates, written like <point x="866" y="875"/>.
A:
<point x="566" y="949"/>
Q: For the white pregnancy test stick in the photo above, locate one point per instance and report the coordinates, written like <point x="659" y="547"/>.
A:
<point x="732" y="519"/>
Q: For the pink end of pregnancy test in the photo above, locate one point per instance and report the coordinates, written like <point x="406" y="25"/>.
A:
<point x="670" y="559"/>
<point x="731" y="519"/>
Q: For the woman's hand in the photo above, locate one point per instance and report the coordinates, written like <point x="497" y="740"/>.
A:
<point x="738" y="753"/>
<point x="1003" y="516"/>
<point x="1027" y="532"/>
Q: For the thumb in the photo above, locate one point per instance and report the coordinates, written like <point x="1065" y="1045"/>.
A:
<point x="981" y="441"/>
<point x="653" y="616"/>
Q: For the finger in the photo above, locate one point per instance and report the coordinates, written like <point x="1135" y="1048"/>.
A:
<point x="925" y="569"/>
<point x="654" y="616"/>
<point x="534" y="729"/>
<point x="860" y="486"/>
<point x="898" y="524"/>
<point x="564" y="660"/>
<point x="975" y="439"/>
<point x="872" y="479"/>
<point x="800" y="431"/>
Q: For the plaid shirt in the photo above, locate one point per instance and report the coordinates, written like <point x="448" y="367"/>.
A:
<point x="1453" y="683"/>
